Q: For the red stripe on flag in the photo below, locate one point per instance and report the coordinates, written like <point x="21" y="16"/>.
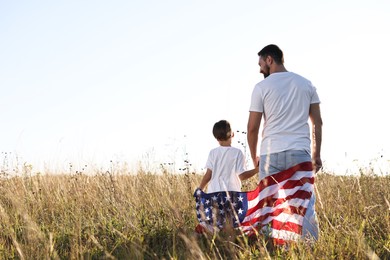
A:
<point x="300" y="194"/>
<point x="270" y="201"/>
<point x="289" y="210"/>
<point x="278" y="241"/>
<point x="251" y="195"/>
<point x="285" y="175"/>
<point x="294" y="183"/>
<point x="278" y="177"/>
<point x="287" y="226"/>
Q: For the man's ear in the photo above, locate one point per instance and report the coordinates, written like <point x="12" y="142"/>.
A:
<point x="232" y="134"/>
<point x="269" y="60"/>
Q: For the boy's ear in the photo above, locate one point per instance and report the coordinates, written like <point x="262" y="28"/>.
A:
<point x="232" y="134"/>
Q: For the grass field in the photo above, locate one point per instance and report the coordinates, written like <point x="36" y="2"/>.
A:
<point x="151" y="216"/>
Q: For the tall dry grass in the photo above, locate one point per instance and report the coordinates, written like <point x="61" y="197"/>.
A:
<point x="151" y="216"/>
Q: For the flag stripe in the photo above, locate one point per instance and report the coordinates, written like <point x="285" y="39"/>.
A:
<point x="303" y="191"/>
<point x="286" y="226"/>
<point x="272" y="213"/>
<point x="284" y="235"/>
<point x="285" y="175"/>
<point x="271" y="189"/>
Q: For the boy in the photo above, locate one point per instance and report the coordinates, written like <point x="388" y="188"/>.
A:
<point x="225" y="170"/>
<point x="225" y="164"/>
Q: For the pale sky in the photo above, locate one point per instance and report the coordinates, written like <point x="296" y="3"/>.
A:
<point x="87" y="82"/>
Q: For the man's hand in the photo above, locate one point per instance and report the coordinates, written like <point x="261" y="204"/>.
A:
<point x="253" y="134"/>
<point x="317" y="164"/>
<point x="256" y="162"/>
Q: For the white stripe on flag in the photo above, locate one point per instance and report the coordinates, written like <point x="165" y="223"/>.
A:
<point x="266" y="210"/>
<point x="293" y="218"/>
<point x="283" y="193"/>
<point x="268" y="191"/>
<point x="282" y="234"/>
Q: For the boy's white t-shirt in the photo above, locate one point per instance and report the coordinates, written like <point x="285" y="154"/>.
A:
<point x="284" y="98"/>
<point x="226" y="164"/>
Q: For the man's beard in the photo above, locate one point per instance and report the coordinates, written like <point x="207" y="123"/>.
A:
<point x="266" y="72"/>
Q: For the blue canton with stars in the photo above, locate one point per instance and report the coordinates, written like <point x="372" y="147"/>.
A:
<point x="219" y="208"/>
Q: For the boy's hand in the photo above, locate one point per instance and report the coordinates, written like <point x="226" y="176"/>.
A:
<point x="197" y="192"/>
<point x="248" y="174"/>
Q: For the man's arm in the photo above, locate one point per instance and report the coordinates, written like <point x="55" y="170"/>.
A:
<point x="316" y="120"/>
<point x="253" y="134"/>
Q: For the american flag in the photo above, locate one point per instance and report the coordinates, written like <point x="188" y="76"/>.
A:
<point x="276" y="207"/>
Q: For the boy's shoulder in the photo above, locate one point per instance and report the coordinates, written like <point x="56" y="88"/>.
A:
<point x="224" y="148"/>
<point x="235" y="148"/>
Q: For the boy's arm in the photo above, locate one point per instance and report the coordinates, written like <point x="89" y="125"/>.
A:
<point x="247" y="174"/>
<point x="206" y="178"/>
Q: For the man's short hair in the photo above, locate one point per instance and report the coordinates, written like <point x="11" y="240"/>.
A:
<point x="274" y="51"/>
<point x="222" y="130"/>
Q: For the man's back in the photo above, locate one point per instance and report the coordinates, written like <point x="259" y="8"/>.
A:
<point x="284" y="98"/>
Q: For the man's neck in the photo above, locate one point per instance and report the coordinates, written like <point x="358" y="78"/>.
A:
<point x="278" y="68"/>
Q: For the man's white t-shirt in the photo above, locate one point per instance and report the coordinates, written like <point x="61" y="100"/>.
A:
<point x="284" y="98"/>
<point x="226" y="164"/>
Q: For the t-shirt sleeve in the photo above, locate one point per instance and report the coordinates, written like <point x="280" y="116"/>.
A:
<point x="209" y="163"/>
<point x="256" y="100"/>
<point x="240" y="167"/>
<point x="314" y="97"/>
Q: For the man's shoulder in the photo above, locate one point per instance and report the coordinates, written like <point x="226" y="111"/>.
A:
<point x="298" y="76"/>
<point x="277" y="77"/>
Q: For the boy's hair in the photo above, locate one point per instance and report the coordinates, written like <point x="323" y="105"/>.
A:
<point x="222" y="130"/>
<point x="274" y="51"/>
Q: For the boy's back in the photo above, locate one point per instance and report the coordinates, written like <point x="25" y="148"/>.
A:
<point x="226" y="163"/>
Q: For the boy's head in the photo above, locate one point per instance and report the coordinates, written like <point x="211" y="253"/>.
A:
<point x="222" y="130"/>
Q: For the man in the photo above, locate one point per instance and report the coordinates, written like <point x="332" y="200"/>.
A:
<point x="286" y="101"/>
